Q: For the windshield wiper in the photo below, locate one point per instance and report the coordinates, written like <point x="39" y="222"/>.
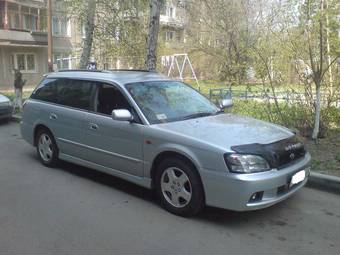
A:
<point x="197" y="115"/>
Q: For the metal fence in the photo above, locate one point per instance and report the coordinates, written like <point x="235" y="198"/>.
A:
<point x="287" y="96"/>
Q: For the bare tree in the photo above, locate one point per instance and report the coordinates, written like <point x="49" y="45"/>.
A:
<point x="152" y="40"/>
<point x="317" y="57"/>
<point x="89" y="30"/>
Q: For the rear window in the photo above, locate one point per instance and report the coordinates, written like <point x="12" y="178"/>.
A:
<point x="68" y="92"/>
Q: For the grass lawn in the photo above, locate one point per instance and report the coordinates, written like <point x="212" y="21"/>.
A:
<point x="326" y="154"/>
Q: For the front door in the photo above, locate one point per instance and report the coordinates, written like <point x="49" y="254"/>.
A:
<point x="114" y="144"/>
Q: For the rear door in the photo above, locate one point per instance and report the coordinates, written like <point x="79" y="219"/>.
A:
<point x="67" y="113"/>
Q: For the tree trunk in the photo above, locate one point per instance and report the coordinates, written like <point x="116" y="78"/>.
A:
<point x="329" y="61"/>
<point x="317" y="111"/>
<point x="318" y="74"/>
<point x="151" y="50"/>
<point x="89" y="29"/>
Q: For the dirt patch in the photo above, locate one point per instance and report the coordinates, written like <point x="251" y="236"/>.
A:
<point x="325" y="153"/>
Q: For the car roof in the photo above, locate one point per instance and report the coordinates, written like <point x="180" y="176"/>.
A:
<point x="120" y="77"/>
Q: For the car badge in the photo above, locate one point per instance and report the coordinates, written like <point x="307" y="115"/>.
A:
<point x="294" y="146"/>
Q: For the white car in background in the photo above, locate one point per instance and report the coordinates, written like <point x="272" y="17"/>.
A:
<point x="6" y="107"/>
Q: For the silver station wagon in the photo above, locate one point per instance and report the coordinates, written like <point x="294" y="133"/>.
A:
<point x="162" y="134"/>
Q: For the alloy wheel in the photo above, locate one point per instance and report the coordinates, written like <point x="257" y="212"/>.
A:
<point x="176" y="187"/>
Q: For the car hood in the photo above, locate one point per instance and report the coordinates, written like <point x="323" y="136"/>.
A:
<point x="226" y="130"/>
<point x="3" y="99"/>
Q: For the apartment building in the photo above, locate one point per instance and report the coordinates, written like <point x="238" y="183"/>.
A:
<point x="173" y="21"/>
<point x="23" y="38"/>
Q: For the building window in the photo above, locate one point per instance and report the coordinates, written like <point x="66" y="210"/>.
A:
<point x="169" y="36"/>
<point x="169" y="11"/>
<point x="25" y="62"/>
<point x="29" y="18"/>
<point x="62" y="61"/>
<point x="83" y="30"/>
<point x="13" y="16"/>
<point x="2" y="19"/>
<point x="61" y="27"/>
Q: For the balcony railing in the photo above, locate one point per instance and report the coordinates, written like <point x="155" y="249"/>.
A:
<point x="21" y="21"/>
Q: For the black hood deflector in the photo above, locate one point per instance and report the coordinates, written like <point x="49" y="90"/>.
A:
<point x="278" y="154"/>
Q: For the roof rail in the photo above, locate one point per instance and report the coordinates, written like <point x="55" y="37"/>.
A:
<point x="79" y="70"/>
<point x="106" y="70"/>
<point x="129" y="70"/>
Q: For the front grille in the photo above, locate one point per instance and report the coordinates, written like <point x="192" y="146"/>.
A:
<point x="5" y="110"/>
<point x="286" y="152"/>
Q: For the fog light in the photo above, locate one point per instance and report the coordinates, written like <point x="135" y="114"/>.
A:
<point x="256" y="197"/>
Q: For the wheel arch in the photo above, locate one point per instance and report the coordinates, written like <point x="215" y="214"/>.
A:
<point x="37" y="129"/>
<point x="172" y="154"/>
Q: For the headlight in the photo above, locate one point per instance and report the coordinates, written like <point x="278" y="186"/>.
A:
<point x="240" y="163"/>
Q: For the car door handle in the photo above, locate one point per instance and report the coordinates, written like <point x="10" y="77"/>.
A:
<point x="93" y="126"/>
<point x="53" y="116"/>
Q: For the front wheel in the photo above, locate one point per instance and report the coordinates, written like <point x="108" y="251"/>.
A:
<point x="47" y="149"/>
<point x="179" y="187"/>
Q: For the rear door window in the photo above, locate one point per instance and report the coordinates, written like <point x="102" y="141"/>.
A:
<point x="76" y="93"/>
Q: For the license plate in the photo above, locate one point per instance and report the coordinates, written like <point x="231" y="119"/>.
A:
<point x="298" y="177"/>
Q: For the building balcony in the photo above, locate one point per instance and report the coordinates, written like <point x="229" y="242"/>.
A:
<point x="25" y="16"/>
<point x="20" y="38"/>
<point x="171" y="21"/>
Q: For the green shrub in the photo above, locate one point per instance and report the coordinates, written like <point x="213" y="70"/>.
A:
<point x="297" y="116"/>
<point x="337" y="158"/>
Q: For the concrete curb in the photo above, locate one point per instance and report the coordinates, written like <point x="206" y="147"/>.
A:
<point x="16" y="117"/>
<point x="324" y="182"/>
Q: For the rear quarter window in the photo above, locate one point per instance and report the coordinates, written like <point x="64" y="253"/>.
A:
<point x="46" y="91"/>
<point x="67" y="92"/>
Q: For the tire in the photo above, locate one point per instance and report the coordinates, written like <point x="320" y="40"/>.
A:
<point x="47" y="148"/>
<point x="179" y="187"/>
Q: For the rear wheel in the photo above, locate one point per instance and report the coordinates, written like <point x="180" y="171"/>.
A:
<point x="47" y="149"/>
<point x="179" y="187"/>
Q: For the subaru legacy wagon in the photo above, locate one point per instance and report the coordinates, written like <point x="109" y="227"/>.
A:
<point x="162" y="134"/>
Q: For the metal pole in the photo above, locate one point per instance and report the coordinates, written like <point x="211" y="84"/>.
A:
<point x="49" y="36"/>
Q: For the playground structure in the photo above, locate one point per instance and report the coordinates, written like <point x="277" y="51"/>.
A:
<point x="179" y="62"/>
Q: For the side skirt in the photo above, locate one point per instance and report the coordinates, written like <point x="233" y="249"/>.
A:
<point x="141" y="181"/>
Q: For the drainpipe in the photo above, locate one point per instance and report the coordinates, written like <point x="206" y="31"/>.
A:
<point x="49" y="36"/>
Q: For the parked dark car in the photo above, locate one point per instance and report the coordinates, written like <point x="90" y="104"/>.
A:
<point x="6" y="107"/>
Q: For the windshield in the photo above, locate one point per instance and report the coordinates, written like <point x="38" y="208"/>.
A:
<point x="166" y="101"/>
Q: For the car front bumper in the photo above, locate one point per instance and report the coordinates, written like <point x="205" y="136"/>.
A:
<point x="234" y="191"/>
<point x="6" y="112"/>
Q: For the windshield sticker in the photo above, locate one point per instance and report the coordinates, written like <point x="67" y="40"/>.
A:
<point x="161" y="116"/>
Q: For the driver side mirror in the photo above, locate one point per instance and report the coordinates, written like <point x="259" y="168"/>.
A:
<point x="226" y="103"/>
<point x="121" y="115"/>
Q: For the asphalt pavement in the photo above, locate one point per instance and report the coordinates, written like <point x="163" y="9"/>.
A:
<point x="74" y="210"/>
